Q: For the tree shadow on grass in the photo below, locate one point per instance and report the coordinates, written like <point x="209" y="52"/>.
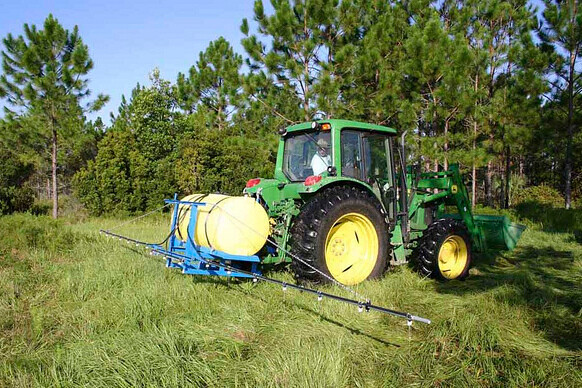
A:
<point x="544" y="280"/>
<point x="317" y="314"/>
<point x="237" y="284"/>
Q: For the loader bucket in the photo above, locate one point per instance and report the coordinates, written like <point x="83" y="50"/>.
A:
<point x="499" y="232"/>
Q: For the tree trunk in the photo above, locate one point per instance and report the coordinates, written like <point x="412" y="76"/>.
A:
<point x="220" y="117"/>
<point x="500" y="197"/>
<point x="54" y="173"/>
<point x="305" y="71"/>
<point x="446" y="163"/>
<point x="568" y="166"/>
<point x="507" y="150"/>
<point x="306" y="103"/>
<point x="488" y="184"/>
<point x="474" y="170"/>
<point x="507" y="176"/>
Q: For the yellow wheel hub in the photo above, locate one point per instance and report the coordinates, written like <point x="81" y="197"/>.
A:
<point x="453" y="257"/>
<point x="351" y="249"/>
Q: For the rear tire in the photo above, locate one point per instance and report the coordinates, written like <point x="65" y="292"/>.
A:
<point x="342" y="233"/>
<point x="444" y="252"/>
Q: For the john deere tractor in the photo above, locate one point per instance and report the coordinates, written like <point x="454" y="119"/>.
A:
<point x="343" y="200"/>
<point x="341" y="207"/>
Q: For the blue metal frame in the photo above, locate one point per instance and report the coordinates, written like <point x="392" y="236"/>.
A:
<point x="194" y="259"/>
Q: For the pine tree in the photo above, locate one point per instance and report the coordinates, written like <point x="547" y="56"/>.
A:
<point x="265" y="107"/>
<point x="213" y="83"/>
<point x="521" y="86"/>
<point x="563" y="29"/>
<point x="296" y="32"/>
<point x="498" y="36"/>
<point x="368" y="61"/>
<point x="427" y="71"/>
<point x="45" y="75"/>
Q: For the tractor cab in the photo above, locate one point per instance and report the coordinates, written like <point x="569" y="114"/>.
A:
<point x="357" y="150"/>
<point x="362" y="153"/>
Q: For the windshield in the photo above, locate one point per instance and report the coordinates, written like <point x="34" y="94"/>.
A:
<point x="306" y="153"/>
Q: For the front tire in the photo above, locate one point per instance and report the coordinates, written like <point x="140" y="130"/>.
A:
<point x="444" y="251"/>
<point x="342" y="233"/>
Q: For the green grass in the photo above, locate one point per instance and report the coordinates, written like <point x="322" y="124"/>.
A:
<point x="79" y="309"/>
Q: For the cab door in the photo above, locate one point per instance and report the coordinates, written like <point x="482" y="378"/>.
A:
<point x="351" y="154"/>
<point x="377" y="169"/>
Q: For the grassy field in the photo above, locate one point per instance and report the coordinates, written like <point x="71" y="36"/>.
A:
<point x="77" y="309"/>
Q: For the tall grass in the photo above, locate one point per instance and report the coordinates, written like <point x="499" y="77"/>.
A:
<point x="79" y="309"/>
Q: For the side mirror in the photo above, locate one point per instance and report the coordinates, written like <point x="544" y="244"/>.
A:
<point x="331" y="171"/>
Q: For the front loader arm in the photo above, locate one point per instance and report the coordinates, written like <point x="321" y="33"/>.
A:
<point x="446" y="188"/>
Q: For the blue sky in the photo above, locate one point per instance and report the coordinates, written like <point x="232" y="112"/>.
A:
<point x="127" y="39"/>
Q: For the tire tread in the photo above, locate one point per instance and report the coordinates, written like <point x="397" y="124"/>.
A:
<point x="306" y="228"/>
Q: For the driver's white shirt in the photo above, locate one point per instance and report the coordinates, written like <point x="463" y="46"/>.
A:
<point x="320" y="163"/>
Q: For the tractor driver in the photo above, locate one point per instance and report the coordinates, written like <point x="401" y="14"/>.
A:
<point x="321" y="160"/>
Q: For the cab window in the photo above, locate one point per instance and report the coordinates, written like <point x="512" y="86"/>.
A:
<point x="306" y="153"/>
<point x="351" y="154"/>
<point x="377" y="158"/>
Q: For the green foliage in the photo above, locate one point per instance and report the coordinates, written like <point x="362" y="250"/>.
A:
<point x="133" y="170"/>
<point x="122" y="179"/>
<point x="297" y="32"/>
<point x="14" y="194"/>
<point x="153" y="150"/>
<point x="542" y="194"/>
<point x="15" y="199"/>
<point x="551" y="217"/>
<point x="104" y="185"/>
<point x="40" y="208"/>
<point x="45" y="69"/>
<point x="465" y="79"/>
<point x="207" y="162"/>
<point x="367" y="69"/>
<point x="561" y="34"/>
<point x="76" y="150"/>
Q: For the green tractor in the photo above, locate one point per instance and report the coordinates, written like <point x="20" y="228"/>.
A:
<point x="343" y="200"/>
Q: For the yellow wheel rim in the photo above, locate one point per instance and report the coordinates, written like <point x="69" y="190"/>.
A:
<point x="351" y="249"/>
<point x="453" y="257"/>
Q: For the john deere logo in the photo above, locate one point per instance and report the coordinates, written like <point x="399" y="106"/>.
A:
<point x="454" y="189"/>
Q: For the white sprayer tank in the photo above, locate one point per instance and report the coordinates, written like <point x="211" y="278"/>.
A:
<point x="235" y="225"/>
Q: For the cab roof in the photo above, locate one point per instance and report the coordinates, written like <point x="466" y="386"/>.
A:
<point x="335" y="123"/>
